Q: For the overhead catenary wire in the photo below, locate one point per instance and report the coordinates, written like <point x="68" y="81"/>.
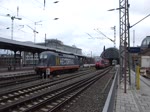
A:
<point x="97" y="30"/>
<point x="104" y="35"/>
<point x="13" y="13"/>
<point x="95" y="37"/>
<point x="17" y="11"/>
<point x="90" y="35"/>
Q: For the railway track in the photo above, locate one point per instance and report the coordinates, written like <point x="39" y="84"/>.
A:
<point x="66" y="77"/>
<point x="27" y="83"/>
<point x="20" y="80"/>
<point x="15" y="79"/>
<point x="34" y="97"/>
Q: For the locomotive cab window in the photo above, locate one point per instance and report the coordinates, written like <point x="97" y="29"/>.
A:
<point x="51" y="60"/>
<point x="43" y="59"/>
<point x="43" y="56"/>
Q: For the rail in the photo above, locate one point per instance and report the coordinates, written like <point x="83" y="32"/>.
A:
<point x="109" y="104"/>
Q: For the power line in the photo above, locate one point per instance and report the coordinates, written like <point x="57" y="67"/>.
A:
<point x="12" y="12"/>
<point x="139" y="21"/>
<point x="114" y="41"/>
<point x="6" y="9"/>
<point x="39" y="2"/>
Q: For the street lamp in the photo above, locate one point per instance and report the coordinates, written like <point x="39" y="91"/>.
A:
<point x="12" y="18"/>
<point x="116" y="9"/>
<point x="45" y="3"/>
<point x="56" y="18"/>
<point x="56" y="1"/>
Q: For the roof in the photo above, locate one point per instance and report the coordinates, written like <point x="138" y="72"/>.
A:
<point x="29" y="47"/>
<point x="112" y="53"/>
<point x="145" y="42"/>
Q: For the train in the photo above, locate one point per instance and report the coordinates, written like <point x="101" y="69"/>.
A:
<point x="114" y="62"/>
<point x="55" y="63"/>
<point x="102" y="63"/>
<point x="88" y="62"/>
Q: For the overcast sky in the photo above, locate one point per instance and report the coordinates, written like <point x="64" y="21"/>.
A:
<point x="76" y="19"/>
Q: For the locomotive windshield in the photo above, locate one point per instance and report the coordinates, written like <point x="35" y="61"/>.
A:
<point x="43" y="59"/>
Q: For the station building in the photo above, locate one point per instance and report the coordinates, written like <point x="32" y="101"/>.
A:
<point x="111" y="54"/>
<point x="6" y="60"/>
<point x="57" y="44"/>
<point x="144" y="51"/>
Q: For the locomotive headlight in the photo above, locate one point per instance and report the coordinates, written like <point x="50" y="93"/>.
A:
<point x="48" y="71"/>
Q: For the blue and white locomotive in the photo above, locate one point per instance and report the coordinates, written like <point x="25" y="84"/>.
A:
<point x="51" y="63"/>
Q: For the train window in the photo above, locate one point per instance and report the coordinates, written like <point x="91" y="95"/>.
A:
<point x="43" y="56"/>
<point x="60" y="54"/>
<point x="51" y="60"/>
<point x="102" y="61"/>
<point x="43" y="59"/>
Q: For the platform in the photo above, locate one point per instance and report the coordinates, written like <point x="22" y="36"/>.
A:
<point x="133" y="100"/>
<point x="17" y="69"/>
<point x="4" y="72"/>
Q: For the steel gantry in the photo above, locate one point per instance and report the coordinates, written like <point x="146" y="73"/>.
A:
<point x="124" y="40"/>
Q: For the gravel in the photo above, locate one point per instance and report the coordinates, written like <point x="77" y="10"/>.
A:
<point x="90" y="100"/>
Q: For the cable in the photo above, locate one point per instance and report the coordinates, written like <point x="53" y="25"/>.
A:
<point x="6" y="9"/>
<point x="39" y="2"/>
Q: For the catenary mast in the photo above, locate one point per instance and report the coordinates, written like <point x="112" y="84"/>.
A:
<point x="124" y="34"/>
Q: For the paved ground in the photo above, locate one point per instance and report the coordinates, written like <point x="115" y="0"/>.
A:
<point x="133" y="100"/>
<point x="17" y="69"/>
<point x="4" y="72"/>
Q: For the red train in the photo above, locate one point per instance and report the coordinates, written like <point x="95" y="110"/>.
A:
<point x="102" y="63"/>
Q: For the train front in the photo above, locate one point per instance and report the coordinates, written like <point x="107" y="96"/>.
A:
<point x="99" y="64"/>
<point x="42" y="66"/>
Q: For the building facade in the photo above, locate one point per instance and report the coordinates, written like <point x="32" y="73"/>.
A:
<point x="57" y="44"/>
<point x="8" y="60"/>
